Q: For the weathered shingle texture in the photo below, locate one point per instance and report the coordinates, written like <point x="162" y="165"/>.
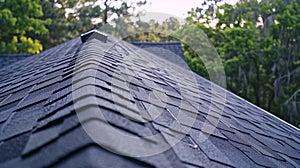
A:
<point x="171" y="51"/>
<point x="7" y="59"/>
<point x="39" y="126"/>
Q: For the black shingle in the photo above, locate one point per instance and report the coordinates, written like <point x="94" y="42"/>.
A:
<point x="166" y="50"/>
<point x="191" y="155"/>
<point x="291" y="161"/>
<point x="97" y="157"/>
<point x="16" y="96"/>
<point x="12" y="148"/>
<point x="235" y="155"/>
<point x="40" y="138"/>
<point x="276" y="146"/>
<point x="213" y="153"/>
<point x="21" y="121"/>
<point x="259" y="158"/>
<point x="235" y="137"/>
<point x="8" y="59"/>
<point x="5" y="114"/>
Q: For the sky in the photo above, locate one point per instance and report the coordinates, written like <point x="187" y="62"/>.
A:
<point x="174" y="7"/>
<point x="178" y="8"/>
<point x="160" y="10"/>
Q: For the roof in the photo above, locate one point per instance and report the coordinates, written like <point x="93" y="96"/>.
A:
<point x="48" y="101"/>
<point x="171" y="51"/>
<point x="7" y="59"/>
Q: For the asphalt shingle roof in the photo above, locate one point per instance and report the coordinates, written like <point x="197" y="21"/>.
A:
<point x="7" y="59"/>
<point x="40" y="97"/>
<point x="171" y="51"/>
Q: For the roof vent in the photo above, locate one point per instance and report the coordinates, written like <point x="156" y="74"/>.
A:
<point x="93" y="34"/>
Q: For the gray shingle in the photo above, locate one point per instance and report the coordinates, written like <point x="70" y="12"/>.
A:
<point x="259" y="158"/>
<point x="97" y="157"/>
<point x="21" y="121"/>
<point x="212" y="151"/>
<point x="8" y="59"/>
<point x="171" y="51"/>
<point x="12" y="148"/>
<point x="40" y="138"/>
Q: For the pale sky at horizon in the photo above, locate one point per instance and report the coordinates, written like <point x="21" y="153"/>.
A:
<point x="160" y="10"/>
<point x="174" y="7"/>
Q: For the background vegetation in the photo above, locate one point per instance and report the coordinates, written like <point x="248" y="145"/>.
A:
<point x="257" y="40"/>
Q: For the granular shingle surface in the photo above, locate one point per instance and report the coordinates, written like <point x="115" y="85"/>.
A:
<point x="171" y="51"/>
<point x="48" y="100"/>
<point x="7" y="59"/>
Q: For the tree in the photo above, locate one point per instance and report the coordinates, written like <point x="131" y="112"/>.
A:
<point x="259" y="44"/>
<point x="153" y="31"/>
<point x="285" y="35"/>
<point x="70" y="18"/>
<point x="94" y="14"/>
<point x="58" y="30"/>
<point x="18" y="20"/>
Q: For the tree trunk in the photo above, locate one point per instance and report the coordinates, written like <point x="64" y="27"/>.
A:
<point x="257" y="86"/>
<point x="105" y="12"/>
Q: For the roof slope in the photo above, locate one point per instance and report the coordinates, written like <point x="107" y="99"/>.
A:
<point x="39" y="126"/>
<point x="7" y="59"/>
<point x="171" y="51"/>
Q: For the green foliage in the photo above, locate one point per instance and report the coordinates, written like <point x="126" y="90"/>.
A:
<point x="152" y="31"/>
<point x="59" y="27"/>
<point x="70" y="18"/>
<point x="259" y="44"/>
<point x="18" y="20"/>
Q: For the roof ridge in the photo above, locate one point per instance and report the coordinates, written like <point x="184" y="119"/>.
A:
<point x="15" y="55"/>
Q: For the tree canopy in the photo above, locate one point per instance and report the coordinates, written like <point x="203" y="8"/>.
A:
<point x="18" y="20"/>
<point x="259" y="44"/>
